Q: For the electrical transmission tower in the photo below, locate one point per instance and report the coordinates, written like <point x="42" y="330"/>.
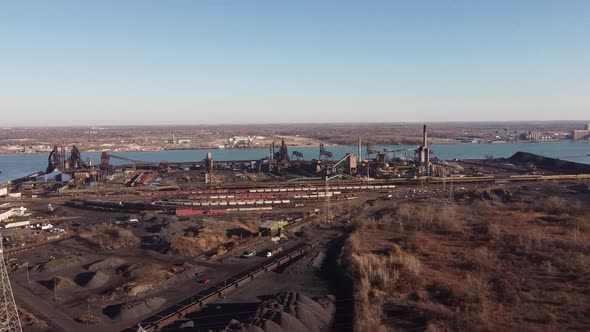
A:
<point x="9" y="321"/>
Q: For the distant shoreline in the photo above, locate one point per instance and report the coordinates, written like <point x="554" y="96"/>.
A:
<point x="180" y="149"/>
<point x="278" y="146"/>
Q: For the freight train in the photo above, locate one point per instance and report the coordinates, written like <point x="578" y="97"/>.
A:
<point x="114" y="206"/>
<point x="202" y="192"/>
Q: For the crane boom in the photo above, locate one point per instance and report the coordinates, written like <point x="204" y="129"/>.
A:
<point x="341" y="161"/>
<point x="135" y="161"/>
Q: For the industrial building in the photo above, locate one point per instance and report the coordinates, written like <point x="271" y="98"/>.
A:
<point x="533" y="136"/>
<point x="68" y="171"/>
<point x="272" y="227"/>
<point x="16" y="224"/>
<point x="12" y="212"/>
<point x="581" y="134"/>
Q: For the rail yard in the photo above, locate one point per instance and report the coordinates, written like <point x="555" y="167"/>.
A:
<point x="303" y="166"/>
<point x="143" y="245"/>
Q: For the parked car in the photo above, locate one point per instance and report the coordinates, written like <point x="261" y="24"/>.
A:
<point x="249" y="253"/>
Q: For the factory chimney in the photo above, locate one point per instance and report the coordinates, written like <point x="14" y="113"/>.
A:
<point x="273" y="150"/>
<point x="360" y="150"/>
<point x="209" y="163"/>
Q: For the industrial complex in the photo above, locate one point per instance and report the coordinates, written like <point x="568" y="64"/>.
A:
<point x="144" y="246"/>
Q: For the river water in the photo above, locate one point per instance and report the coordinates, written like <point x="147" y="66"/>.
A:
<point x="17" y="165"/>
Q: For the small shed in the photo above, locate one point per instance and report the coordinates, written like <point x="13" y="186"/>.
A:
<point x="272" y="227"/>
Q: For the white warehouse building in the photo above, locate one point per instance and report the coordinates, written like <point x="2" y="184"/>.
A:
<point x="12" y="212"/>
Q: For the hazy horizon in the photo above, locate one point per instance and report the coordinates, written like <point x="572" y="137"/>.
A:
<point x="137" y="63"/>
<point x="530" y="122"/>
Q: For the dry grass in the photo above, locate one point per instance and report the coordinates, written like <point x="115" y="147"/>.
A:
<point x="27" y="319"/>
<point x="139" y="278"/>
<point x="364" y="223"/>
<point x="483" y="259"/>
<point x="215" y="237"/>
<point x="493" y="265"/>
<point x="556" y="205"/>
<point x="198" y="245"/>
<point x="429" y="217"/>
<point x="87" y="319"/>
<point x="376" y="276"/>
<point x="62" y="260"/>
<point x="487" y="231"/>
<point x="386" y="273"/>
<point x="109" y="237"/>
<point x="146" y="273"/>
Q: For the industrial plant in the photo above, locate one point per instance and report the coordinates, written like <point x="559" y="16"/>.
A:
<point x="133" y="245"/>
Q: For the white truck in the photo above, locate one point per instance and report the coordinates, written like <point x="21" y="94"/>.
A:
<point x="275" y="251"/>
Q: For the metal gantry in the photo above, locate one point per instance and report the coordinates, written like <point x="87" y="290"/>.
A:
<point x="9" y="321"/>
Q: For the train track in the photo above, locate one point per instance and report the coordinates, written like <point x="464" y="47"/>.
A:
<point x="194" y="303"/>
<point x="33" y="246"/>
<point x="321" y="183"/>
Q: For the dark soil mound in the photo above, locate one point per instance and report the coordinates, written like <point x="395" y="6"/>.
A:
<point x="134" y="310"/>
<point x="92" y="279"/>
<point x="58" y="283"/>
<point x="59" y="263"/>
<point x="562" y="166"/>
<point x="290" y="311"/>
<point x="108" y="263"/>
<point x="174" y="227"/>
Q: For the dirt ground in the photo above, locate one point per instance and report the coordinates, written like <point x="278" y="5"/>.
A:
<point x="310" y="277"/>
<point x="478" y="258"/>
<point x="118" y="275"/>
<point x="495" y="259"/>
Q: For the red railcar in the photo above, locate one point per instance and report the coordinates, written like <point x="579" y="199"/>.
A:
<point x="189" y="212"/>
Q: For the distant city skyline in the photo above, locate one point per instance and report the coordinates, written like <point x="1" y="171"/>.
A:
<point x="106" y="63"/>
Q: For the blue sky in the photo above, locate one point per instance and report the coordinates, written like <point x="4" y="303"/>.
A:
<point x="200" y="62"/>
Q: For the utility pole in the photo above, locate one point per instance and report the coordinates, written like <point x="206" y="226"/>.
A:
<point x="328" y="202"/>
<point x="328" y="206"/>
<point x="55" y="289"/>
<point x="451" y="191"/>
<point x="9" y="321"/>
<point x="88" y="311"/>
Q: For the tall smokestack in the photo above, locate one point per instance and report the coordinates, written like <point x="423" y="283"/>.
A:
<point x="425" y="138"/>
<point x="360" y="150"/>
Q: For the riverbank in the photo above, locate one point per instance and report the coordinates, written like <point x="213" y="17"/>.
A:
<point x="18" y="165"/>
<point x="277" y="144"/>
<point x="172" y="148"/>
